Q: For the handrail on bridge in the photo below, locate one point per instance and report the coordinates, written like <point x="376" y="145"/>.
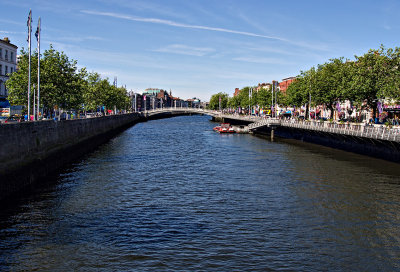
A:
<point x="359" y="130"/>
<point x="351" y="129"/>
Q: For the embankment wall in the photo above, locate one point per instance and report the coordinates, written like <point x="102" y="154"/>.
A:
<point x="386" y="150"/>
<point x="32" y="150"/>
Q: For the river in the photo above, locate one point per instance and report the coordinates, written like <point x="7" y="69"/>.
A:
<point x="172" y="195"/>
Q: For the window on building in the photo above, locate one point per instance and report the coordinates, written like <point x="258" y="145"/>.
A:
<point x="11" y="70"/>
<point x="12" y="57"/>
<point x="1" y="69"/>
<point x="1" y="53"/>
<point x="6" y="71"/>
<point x="6" y="56"/>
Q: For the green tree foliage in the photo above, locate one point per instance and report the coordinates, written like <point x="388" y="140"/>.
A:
<point x="60" y="81"/>
<point x="214" y="101"/>
<point x="297" y="92"/>
<point x="243" y="97"/>
<point x="62" y="85"/>
<point x="376" y="76"/>
<point x="371" y="77"/>
<point x="233" y="102"/>
<point x="17" y="84"/>
<point x="264" y="97"/>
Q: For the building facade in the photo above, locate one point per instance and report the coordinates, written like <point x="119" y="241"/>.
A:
<point x="8" y="63"/>
<point x="285" y="83"/>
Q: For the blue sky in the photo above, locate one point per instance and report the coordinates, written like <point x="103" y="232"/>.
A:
<point x="199" y="47"/>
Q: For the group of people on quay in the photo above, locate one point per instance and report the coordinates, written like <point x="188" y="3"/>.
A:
<point x="347" y="115"/>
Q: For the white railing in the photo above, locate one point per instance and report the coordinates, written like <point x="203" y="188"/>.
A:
<point x="264" y="122"/>
<point x="378" y="132"/>
<point x="373" y="132"/>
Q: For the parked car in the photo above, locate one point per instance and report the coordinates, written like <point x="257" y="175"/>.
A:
<point x="3" y="119"/>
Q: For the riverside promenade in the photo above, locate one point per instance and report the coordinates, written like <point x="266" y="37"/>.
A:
<point x="377" y="141"/>
<point x="376" y="132"/>
<point x="35" y="149"/>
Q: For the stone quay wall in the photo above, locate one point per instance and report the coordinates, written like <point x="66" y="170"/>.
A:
<point x="31" y="150"/>
<point x="382" y="149"/>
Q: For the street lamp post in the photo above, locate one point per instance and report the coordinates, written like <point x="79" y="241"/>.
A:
<point x="29" y="60"/>
<point x="276" y="102"/>
<point x="272" y="99"/>
<point x="34" y="102"/>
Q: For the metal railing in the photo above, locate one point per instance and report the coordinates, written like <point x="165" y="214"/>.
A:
<point x="378" y="132"/>
<point x="367" y="131"/>
<point x="262" y="122"/>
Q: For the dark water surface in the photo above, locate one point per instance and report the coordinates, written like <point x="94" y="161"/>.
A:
<point x="172" y="195"/>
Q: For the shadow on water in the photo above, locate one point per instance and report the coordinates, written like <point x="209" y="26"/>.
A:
<point x="330" y="157"/>
<point x="45" y="186"/>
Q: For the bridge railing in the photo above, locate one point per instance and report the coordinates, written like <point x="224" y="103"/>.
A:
<point x="358" y="130"/>
<point x="351" y="129"/>
<point x="261" y="122"/>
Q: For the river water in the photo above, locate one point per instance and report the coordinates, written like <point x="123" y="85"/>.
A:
<point x="172" y="195"/>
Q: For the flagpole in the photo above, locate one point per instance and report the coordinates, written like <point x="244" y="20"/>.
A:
<point x="272" y="98"/>
<point x="29" y="58"/>
<point x="38" y="70"/>
<point x="34" y="102"/>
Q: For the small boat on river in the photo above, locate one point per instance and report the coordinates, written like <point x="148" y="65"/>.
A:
<point x="224" y="128"/>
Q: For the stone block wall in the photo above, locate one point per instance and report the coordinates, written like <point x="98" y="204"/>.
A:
<point x="31" y="150"/>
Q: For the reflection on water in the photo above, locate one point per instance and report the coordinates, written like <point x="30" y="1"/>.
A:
<point x="173" y="195"/>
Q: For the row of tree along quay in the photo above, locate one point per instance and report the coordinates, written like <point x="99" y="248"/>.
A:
<point x="64" y="87"/>
<point x="366" y="83"/>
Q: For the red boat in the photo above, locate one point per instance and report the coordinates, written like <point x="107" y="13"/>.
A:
<point x="224" y="128"/>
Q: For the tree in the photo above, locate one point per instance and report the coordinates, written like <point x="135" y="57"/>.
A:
<point x="17" y="84"/>
<point x="214" y="101"/>
<point x="233" y="102"/>
<point x="297" y="92"/>
<point x="376" y="76"/>
<point x="243" y="97"/>
<point x="264" y="97"/>
<point x="329" y="84"/>
<point x="60" y="81"/>
<point x="94" y="91"/>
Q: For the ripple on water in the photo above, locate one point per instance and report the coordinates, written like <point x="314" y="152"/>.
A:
<point x="172" y="195"/>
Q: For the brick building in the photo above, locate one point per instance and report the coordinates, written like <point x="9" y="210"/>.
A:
<point x="284" y="84"/>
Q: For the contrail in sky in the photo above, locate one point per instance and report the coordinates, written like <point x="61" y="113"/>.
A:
<point x="172" y="23"/>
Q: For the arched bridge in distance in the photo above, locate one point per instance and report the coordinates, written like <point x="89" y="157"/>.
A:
<point x="255" y="123"/>
<point x="372" y="140"/>
<point x="216" y="115"/>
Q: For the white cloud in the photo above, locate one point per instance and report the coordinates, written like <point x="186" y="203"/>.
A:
<point x="185" y="50"/>
<point x="80" y="39"/>
<point x="176" y="24"/>
<point x="264" y="60"/>
<point x="10" y="32"/>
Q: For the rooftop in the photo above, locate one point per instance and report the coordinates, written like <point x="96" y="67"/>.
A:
<point x="6" y="41"/>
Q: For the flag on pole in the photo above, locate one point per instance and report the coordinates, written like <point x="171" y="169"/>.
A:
<point x="37" y="33"/>
<point x="28" y="23"/>
<point x="29" y="18"/>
